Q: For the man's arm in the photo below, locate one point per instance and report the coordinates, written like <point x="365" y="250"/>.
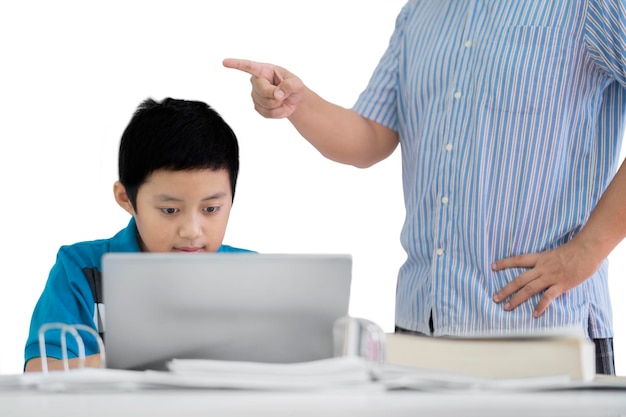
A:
<point x="340" y="134"/>
<point x="561" y="269"/>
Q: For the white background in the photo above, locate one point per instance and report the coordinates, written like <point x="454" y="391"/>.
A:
<point x="72" y="73"/>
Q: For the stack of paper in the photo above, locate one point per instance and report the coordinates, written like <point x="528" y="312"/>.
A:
<point x="320" y="374"/>
<point x="206" y="374"/>
<point x="333" y="374"/>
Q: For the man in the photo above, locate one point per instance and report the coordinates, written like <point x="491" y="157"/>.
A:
<point x="510" y="117"/>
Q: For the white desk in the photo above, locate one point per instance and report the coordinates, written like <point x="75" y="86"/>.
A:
<point x="344" y="403"/>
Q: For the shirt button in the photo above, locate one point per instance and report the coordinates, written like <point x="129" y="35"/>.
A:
<point x="449" y="147"/>
<point x="439" y="252"/>
<point x="444" y="200"/>
<point x="457" y="95"/>
<point x="468" y="44"/>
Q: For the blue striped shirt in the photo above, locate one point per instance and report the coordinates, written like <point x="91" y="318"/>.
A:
<point x="510" y="115"/>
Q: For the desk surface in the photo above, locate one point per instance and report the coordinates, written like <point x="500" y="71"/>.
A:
<point x="345" y="403"/>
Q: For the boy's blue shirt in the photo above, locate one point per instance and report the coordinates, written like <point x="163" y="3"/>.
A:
<point x="68" y="296"/>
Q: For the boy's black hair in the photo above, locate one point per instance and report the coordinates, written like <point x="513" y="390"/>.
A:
<point x="176" y="135"/>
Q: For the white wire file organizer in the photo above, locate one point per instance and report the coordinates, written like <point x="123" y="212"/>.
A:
<point x="74" y="330"/>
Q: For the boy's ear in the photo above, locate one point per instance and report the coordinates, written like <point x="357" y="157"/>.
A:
<point x="119" y="191"/>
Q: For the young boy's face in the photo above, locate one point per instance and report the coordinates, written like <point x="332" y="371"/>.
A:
<point x="181" y="211"/>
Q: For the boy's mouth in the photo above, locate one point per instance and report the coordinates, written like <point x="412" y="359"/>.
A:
<point x="189" y="249"/>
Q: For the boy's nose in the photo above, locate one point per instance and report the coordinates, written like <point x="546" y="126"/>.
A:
<point x="191" y="227"/>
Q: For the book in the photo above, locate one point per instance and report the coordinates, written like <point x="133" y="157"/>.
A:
<point x="565" y="353"/>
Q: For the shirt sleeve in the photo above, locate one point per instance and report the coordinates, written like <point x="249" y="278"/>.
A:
<point x="605" y="36"/>
<point x="66" y="299"/>
<point x="379" y="100"/>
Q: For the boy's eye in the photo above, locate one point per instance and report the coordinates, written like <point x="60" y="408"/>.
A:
<point x="211" y="209"/>
<point x="169" y="210"/>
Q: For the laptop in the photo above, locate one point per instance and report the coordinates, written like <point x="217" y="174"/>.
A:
<point x="273" y="308"/>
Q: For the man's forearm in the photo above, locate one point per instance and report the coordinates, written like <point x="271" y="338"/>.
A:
<point x="341" y="134"/>
<point x="606" y="226"/>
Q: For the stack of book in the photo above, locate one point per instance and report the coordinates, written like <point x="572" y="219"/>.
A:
<point x="564" y="352"/>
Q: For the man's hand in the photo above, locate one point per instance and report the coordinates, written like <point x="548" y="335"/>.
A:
<point x="554" y="272"/>
<point x="275" y="91"/>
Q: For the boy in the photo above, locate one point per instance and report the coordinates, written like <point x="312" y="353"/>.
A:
<point x="178" y="166"/>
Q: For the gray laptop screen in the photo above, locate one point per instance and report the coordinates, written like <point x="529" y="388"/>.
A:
<point x="276" y="308"/>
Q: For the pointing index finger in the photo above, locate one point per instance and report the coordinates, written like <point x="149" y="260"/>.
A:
<point x="251" y="67"/>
